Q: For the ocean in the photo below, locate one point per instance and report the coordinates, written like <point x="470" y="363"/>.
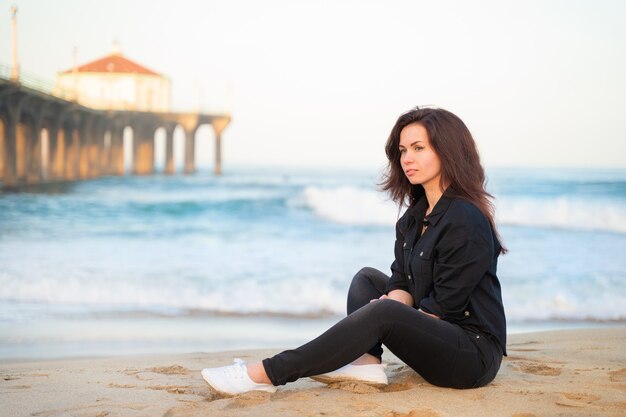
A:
<point x="263" y="257"/>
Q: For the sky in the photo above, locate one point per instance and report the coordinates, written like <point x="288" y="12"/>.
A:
<point x="321" y="83"/>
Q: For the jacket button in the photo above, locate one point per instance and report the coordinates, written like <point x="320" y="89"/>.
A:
<point x="409" y="277"/>
<point x="421" y="253"/>
<point x="466" y="314"/>
<point x="404" y="245"/>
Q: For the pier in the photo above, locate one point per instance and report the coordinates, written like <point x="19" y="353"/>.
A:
<point x="74" y="130"/>
<point x="45" y="138"/>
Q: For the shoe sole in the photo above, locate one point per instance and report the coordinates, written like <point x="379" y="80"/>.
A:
<point x="227" y="394"/>
<point x="332" y="380"/>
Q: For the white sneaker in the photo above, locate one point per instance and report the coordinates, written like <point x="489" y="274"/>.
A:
<point x="233" y="379"/>
<point x="373" y="374"/>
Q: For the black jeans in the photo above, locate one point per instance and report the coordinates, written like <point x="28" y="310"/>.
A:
<point x="441" y="352"/>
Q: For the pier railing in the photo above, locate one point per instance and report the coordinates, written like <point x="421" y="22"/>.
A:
<point x="35" y="82"/>
<point x="42" y="85"/>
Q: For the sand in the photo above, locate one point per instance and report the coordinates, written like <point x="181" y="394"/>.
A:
<point x="556" y="373"/>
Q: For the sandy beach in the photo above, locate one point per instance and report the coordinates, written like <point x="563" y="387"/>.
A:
<point x="555" y="373"/>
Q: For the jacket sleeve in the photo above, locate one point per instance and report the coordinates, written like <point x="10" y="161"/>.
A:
<point x="398" y="279"/>
<point x="463" y="258"/>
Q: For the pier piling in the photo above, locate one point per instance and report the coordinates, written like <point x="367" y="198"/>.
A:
<point x="84" y="143"/>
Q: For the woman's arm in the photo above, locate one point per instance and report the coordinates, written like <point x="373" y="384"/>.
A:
<point x="462" y="262"/>
<point x="398" y="279"/>
<point x="403" y="297"/>
<point x="399" y="295"/>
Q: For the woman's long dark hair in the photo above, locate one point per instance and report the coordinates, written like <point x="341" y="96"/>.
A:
<point x="460" y="162"/>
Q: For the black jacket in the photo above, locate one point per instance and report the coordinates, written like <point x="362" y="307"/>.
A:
<point x="451" y="269"/>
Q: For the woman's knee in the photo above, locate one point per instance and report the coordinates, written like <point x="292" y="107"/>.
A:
<point x="373" y="313"/>
<point x="363" y="274"/>
<point x="367" y="284"/>
<point x="380" y="317"/>
<point x="368" y="277"/>
<point x="383" y="311"/>
<point x="389" y="307"/>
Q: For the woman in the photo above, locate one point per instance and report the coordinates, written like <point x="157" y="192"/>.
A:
<point x="441" y="310"/>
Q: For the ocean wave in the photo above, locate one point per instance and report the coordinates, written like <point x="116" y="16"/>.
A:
<point x="350" y="205"/>
<point x="84" y="297"/>
<point x="563" y="305"/>
<point x="198" y="245"/>
<point x="358" y="206"/>
<point x="563" y="213"/>
<point x="307" y="298"/>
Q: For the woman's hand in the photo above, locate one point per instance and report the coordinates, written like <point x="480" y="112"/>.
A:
<point x="403" y="297"/>
<point x="398" y="295"/>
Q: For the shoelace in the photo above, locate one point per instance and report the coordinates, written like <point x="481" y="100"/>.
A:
<point x="236" y="371"/>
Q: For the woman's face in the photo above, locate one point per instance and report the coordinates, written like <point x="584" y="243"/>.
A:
<point x="418" y="159"/>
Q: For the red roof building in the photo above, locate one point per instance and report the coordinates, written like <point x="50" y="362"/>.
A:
<point x="113" y="63"/>
<point x="115" y="82"/>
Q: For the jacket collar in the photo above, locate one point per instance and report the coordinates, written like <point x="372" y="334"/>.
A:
<point x="438" y="211"/>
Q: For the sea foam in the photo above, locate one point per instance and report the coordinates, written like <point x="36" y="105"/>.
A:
<point x="358" y="206"/>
